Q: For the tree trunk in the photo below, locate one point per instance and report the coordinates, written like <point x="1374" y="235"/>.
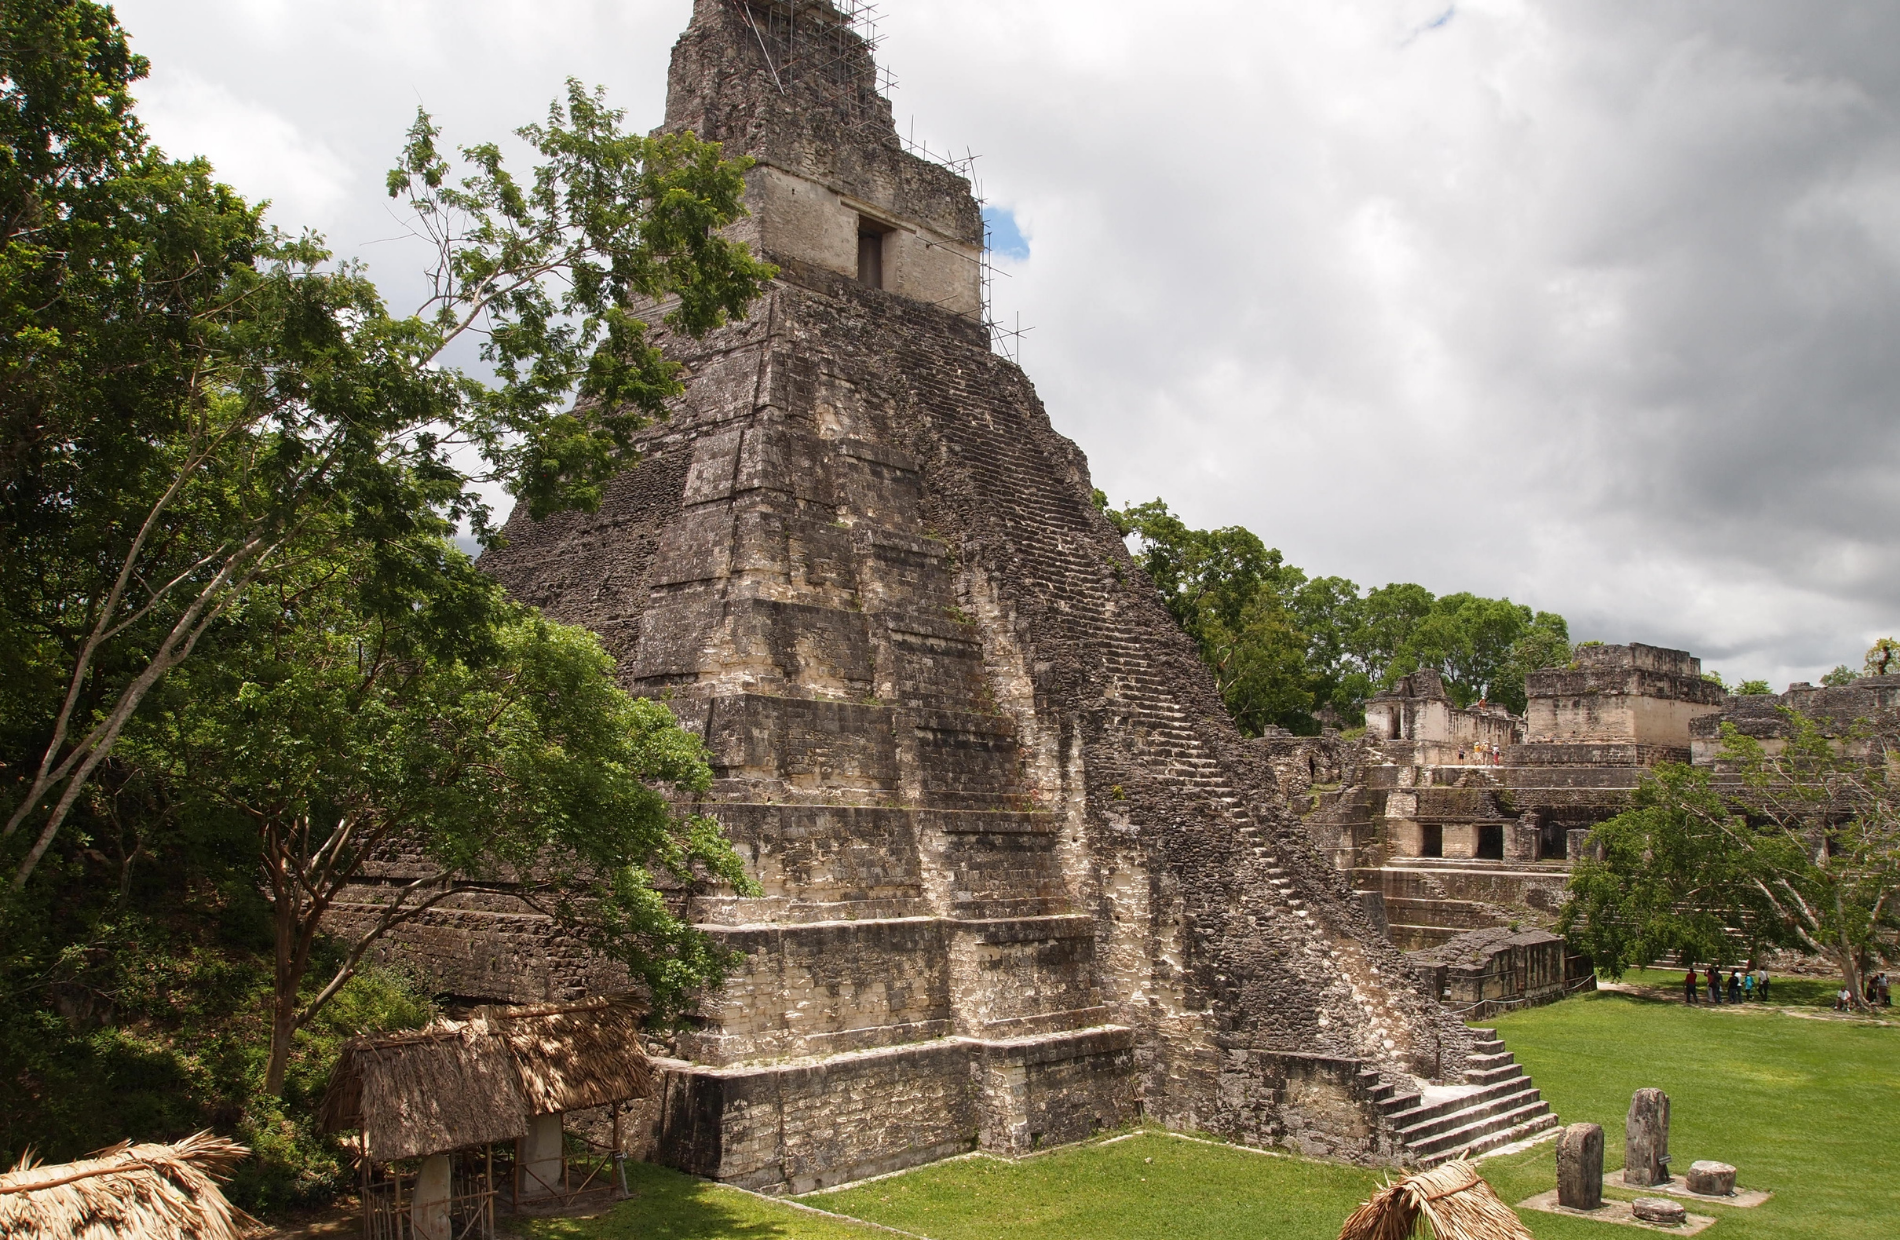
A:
<point x="1850" y="976"/>
<point x="1850" y="959"/>
<point x="292" y="960"/>
<point x="283" y="1028"/>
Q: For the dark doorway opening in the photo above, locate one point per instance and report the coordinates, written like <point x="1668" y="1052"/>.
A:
<point x="1433" y="842"/>
<point x="1552" y="841"/>
<point x="1491" y="841"/>
<point x="871" y="253"/>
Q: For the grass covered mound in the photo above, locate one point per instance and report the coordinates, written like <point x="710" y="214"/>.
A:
<point x="1802" y="1106"/>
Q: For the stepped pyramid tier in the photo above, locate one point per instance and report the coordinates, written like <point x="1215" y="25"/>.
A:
<point x="1022" y="878"/>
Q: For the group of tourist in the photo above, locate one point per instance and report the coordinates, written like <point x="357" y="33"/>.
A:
<point x="1744" y="986"/>
<point x="1878" y="994"/>
<point x="1482" y="753"/>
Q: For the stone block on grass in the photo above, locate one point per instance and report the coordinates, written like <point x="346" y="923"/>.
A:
<point x="1659" y="1210"/>
<point x="1580" y="1167"/>
<point x="1646" y="1139"/>
<point x="1711" y="1179"/>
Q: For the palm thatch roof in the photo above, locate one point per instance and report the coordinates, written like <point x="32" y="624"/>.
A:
<point x="129" y="1192"/>
<point x="1453" y="1198"/>
<point x="442" y="1088"/>
<point x="576" y="1055"/>
<point x="462" y="1083"/>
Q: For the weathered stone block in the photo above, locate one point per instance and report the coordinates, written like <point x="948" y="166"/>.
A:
<point x="1580" y="1167"/>
<point x="1711" y="1179"/>
<point x="1659" y="1210"/>
<point x="1646" y="1139"/>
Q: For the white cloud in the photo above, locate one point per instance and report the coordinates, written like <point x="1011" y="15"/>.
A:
<point x="1591" y="305"/>
<point x="256" y="150"/>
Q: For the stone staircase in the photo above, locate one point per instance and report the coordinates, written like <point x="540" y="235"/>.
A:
<point x="1496" y="1106"/>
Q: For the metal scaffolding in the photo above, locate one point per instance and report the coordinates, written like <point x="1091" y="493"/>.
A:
<point x="828" y="42"/>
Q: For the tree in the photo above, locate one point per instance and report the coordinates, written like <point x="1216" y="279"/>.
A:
<point x="1882" y="656"/>
<point x="348" y="734"/>
<point x="1389" y="617"/>
<point x="1841" y="676"/>
<point x="1283" y="647"/>
<point x="1546" y="643"/>
<point x="1795" y="844"/>
<point x="1483" y="647"/>
<point x="199" y="405"/>
<point x="1330" y="612"/>
<point x="1753" y="688"/>
<point x="1228" y="591"/>
<point x="1665" y="880"/>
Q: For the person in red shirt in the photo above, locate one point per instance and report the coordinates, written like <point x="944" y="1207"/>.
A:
<point x="1689" y="986"/>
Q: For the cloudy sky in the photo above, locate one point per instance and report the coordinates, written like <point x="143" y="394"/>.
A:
<point x="1594" y="305"/>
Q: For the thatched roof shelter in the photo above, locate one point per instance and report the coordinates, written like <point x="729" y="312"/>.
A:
<point x="129" y="1192"/>
<point x="463" y="1083"/>
<point x="1453" y="1198"/>
<point x="576" y="1055"/>
<point x="442" y="1088"/>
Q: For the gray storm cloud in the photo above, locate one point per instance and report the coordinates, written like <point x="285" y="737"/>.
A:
<point x="1590" y="305"/>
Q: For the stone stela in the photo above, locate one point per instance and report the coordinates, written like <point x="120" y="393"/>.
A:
<point x="1646" y="1139"/>
<point x="1023" y="879"/>
<point x="1580" y="1167"/>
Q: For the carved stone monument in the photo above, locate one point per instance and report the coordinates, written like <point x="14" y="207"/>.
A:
<point x="1646" y="1140"/>
<point x="1659" y="1210"/>
<point x="1711" y="1179"/>
<point x="1580" y="1167"/>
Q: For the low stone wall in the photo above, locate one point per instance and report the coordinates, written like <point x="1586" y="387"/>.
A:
<point x="1497" y="966"/>
<point x="1320" y="1105"/>
<point x="797" y="1127"/>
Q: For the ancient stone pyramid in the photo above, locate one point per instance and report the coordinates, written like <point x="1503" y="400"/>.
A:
<point x="1023" y="879"/>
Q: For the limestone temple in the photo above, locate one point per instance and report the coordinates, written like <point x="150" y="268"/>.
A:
<point x="1458" y="828"/>
<point x="1023" y="879"/>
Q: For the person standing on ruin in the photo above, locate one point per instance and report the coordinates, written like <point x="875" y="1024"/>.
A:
<point x="1689" y="986"/>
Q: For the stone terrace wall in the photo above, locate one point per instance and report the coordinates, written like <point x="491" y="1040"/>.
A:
<point x="1868" y="703"/>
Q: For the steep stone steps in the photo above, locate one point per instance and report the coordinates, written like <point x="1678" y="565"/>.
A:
<point x="1497" y="1105"/>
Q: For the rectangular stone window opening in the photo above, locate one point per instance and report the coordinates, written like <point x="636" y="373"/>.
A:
<point x="871" y="236"/>
<point x="1433" y="842"/>
<point x="1491" y="841"/>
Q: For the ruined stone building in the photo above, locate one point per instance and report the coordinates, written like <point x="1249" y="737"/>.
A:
<point x="1850" y="716"/>
<point x="1022" y="877"/>
<point x="1465" y="858"/>
<point x="1441" y="842"/>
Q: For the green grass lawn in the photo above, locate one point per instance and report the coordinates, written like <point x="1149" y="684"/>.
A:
<point x="1143" y="1187"/>
<point x="669" y="1206"/>
<point x="1805" y="1107"/>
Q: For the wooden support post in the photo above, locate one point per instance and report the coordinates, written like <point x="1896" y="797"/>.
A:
<point x="619" y="1157"/>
